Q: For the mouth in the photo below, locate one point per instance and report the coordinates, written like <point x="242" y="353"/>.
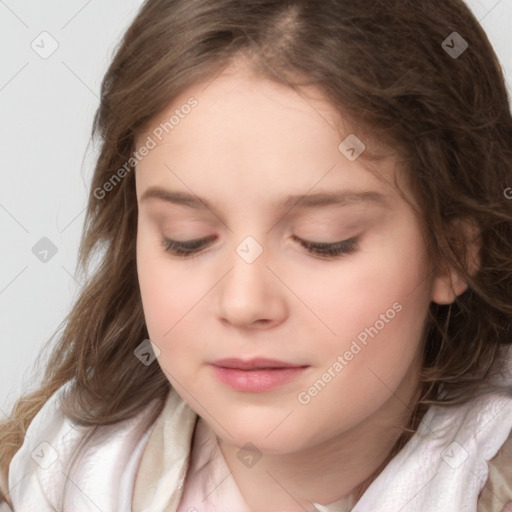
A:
<point x="259" y="363"/>
<point x="255" y="375"/>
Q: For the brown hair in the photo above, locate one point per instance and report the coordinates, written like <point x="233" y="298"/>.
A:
<point x="382" y="63"/>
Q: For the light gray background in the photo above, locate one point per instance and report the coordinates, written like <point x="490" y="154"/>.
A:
<point x="47" y="107"/>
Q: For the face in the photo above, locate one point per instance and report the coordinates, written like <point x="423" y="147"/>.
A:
<point x="238" y="257"/>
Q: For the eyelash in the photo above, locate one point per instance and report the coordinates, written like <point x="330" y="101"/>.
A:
<point x="326" y="250"/>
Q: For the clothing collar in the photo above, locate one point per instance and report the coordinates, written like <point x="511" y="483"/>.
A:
<point x="205" y="482"/>
<point x="63" y="466"/>
<point x="442" y="467"/>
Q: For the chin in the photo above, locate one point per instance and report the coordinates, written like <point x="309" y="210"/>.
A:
<point x="268" y="432"/>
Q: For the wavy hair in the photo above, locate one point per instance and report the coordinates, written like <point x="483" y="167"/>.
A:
<point x="384" y="64"/>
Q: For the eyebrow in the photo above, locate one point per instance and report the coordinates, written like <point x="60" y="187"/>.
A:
<point x="304" y="201"/>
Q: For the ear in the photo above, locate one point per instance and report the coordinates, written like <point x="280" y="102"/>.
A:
<point x="448" y="283"/>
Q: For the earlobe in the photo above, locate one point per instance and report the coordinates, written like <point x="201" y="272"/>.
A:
<point x="447" y="287"/>
<point x="448" y="284"/>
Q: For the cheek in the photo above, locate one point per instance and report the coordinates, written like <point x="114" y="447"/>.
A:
<point x="375" y="311"/>
<point x="164" y="291"/>
<point x="376" y="359"/>
<point x="172" y="296"/>
<point x="385" y="314"/>
<point x="389" y="274"/>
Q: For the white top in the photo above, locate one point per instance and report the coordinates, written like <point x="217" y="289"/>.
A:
<point x="81" y="469"/>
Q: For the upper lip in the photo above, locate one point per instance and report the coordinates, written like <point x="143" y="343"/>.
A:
<point x="254" y="364"/>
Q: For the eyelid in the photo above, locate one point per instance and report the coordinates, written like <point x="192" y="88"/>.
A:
<point x="185" y="248"/>
<point x="323" y="250"/>
<point x="331" y="250"/>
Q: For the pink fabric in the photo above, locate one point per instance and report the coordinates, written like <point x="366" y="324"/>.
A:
<point x="442" y="467"/>
<point x="209" y="486"/>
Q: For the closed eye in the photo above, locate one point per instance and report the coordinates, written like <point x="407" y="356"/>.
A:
<point x="328" y="250"/>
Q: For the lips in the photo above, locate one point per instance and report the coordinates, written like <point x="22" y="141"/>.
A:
<point x="254" y="364"/>
<point x="256" y="375"/>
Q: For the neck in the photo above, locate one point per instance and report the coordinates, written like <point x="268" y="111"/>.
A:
<point x="341" y="468"/>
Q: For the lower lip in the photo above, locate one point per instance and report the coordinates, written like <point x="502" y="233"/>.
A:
<point x="256" y="381"/>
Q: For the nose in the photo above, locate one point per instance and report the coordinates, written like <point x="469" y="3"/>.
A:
<point x="250" y="295"/>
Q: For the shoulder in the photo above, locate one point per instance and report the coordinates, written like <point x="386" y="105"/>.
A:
<point x="4" y="494"/>
<point x="496" y="495"/>
<point x="55" y="446"/>
<point x="44" y="421"/>
<point x="41" y="455"/>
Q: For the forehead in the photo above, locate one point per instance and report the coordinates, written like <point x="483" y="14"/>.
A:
<point x="262" y="136"/>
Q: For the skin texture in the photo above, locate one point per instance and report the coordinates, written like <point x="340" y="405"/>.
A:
<point x="247" y="144"/>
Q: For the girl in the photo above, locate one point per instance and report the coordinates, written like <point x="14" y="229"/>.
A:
<point x="304" y="301"/>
